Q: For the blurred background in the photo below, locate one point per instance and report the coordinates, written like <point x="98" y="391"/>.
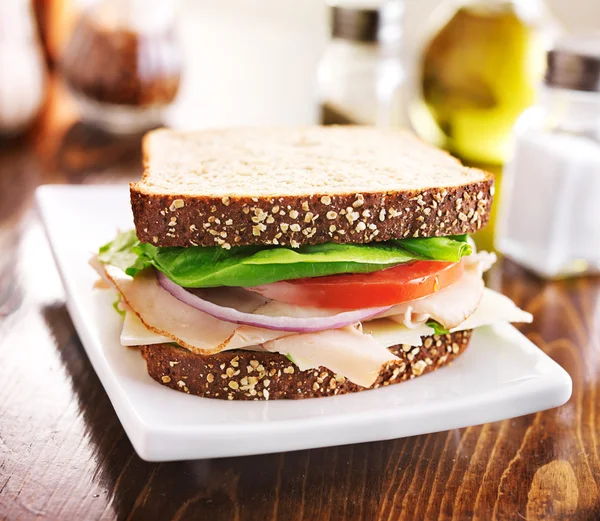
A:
<point x="266" y="50"/>
<point x="506" y="85"/>
<point x="254" y="62"/>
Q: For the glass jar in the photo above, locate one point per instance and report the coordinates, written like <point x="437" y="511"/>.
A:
<point x="23" y="84"/>
<point x="123" y="63"/>
<point x="361" y="75"/>
<point x="549" y="217"/>
<point x="478" y="72"/>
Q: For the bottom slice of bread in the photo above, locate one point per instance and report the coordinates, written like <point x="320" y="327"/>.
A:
<point x="260" y="375"/>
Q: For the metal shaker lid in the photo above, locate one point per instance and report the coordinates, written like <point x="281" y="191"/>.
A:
<point x="355" y="23"/>
<point x="574" y="63"/>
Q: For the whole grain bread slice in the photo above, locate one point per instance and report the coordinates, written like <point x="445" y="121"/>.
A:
<point x="297" y="186"/>
<point x="259" y="375"/>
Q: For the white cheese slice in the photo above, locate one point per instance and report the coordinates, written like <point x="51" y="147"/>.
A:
<point x="134" y="333"/>
<point x="390" y="333"/>
<point x="347" y="352"/>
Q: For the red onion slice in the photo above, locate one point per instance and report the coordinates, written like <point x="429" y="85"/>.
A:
<point x="295" y="324"/>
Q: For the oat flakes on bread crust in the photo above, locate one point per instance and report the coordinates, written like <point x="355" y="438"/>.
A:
<point x="259" y="375"/>
<point x="297" y="186"/>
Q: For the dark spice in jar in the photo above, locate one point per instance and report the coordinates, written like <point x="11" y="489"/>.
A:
<point x="122" y="67"/>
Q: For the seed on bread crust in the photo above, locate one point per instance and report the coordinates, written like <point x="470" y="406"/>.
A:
<point x="409" y="190"/>
<point x="426" y="215"/>
<point x="264" y="375"/>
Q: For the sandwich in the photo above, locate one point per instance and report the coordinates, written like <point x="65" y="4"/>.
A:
<point x="290" y="263"/>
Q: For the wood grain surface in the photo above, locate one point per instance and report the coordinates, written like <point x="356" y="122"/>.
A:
<point x="64" y="454"/>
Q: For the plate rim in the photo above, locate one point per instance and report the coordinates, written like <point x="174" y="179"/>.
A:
<point x="553" y="388"/>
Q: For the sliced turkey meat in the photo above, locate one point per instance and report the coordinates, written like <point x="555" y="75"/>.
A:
<point x="347" y="352"/>
<point x="170" y="318"/>
<point x="452" y="305"/>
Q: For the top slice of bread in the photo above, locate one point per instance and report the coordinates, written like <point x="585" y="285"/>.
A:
<point x="295" y="186"/>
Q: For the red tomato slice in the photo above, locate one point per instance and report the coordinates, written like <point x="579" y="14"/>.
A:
<point x="387" y="287"/>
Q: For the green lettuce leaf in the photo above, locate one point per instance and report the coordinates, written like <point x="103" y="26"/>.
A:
<point x="120" y="252"/>
<point x="449" y="249"/>
<point x="117" y="308"/>
<point x="202" y="267"/>
<point x="437" y="328"/>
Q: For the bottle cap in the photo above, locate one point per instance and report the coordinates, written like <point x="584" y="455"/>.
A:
<point x="359" y="24"/>
<point x="574" y="63"/>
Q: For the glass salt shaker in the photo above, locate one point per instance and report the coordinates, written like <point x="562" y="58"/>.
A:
<point x="123" y="63"/>
<point x="549" y="218"/>
<point x="361" y="75"/>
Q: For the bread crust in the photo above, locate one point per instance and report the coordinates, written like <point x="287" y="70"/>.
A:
<point x="259" y="375"/>
<point x="174" y="217"/>
<point x="167" y="220"/>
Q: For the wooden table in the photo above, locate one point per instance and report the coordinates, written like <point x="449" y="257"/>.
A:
<point x="64" y="454"/>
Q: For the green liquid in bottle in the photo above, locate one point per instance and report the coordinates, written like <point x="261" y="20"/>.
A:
<point x="478" y="74"/>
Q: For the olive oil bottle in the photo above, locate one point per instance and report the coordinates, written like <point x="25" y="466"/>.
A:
<point x="478" y="72"/>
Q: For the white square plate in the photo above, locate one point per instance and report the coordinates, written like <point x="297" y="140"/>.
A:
<point x="501" y="375"/>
